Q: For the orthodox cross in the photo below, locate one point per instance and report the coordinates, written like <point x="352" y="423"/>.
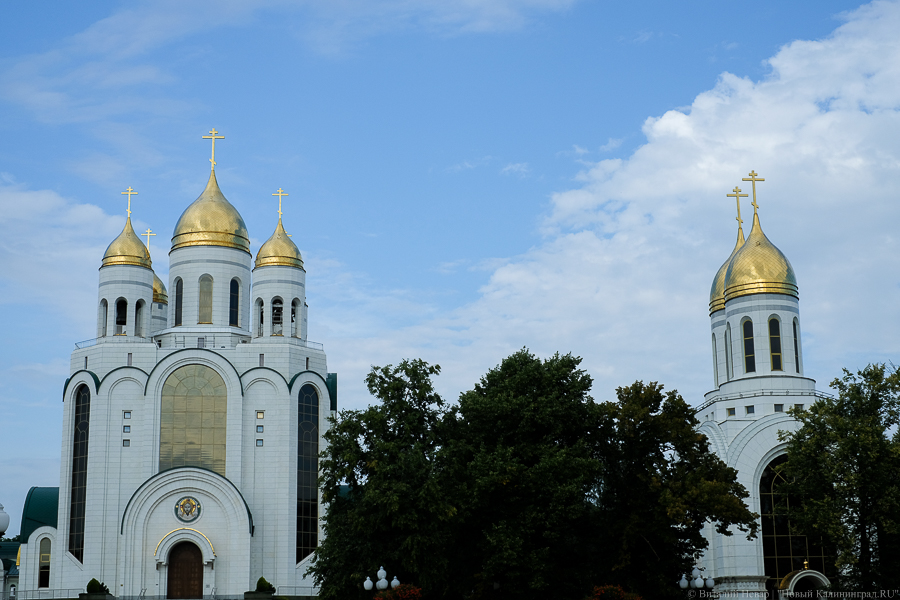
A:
<point x="753" y="177"/>
<point x="737" y="195"/>
<point x="212" y="136"/>
<point x="130" y="192"/>
<point x="280" y="193"/>
<point x="148" y="234"/>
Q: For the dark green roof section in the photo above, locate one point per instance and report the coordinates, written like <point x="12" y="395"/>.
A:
<point x="41" y="508"/>
<point x="331" y="383"/>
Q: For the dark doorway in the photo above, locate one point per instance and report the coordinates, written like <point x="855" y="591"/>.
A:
<point x="185" y="578"/>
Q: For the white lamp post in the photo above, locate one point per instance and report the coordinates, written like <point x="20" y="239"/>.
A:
<point x="382" y="583"/>
<point x="696" y="581"/>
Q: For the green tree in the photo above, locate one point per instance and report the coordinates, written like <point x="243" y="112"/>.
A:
<point x="381" y="479"/>
<point x="660" y="485"/>
<point x="843" y="474"/>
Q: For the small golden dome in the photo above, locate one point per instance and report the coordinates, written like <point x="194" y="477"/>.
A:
<point x="159" y="291"/>
<point x="211" y="220"/>
<point x="127" y="249"/>
<point x="717" y="293"/>
<point x="759" y="268"/>
<point x="279" y="250"/>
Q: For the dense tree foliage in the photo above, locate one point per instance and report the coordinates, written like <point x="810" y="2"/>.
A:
<point x="526" y="489"/>
<point x="843" y="474"/>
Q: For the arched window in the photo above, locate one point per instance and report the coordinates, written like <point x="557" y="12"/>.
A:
<point x="729" y="367"/>
<point x="44" y="564"/>
<point x="277" y="317"/>
<point x="78" y="497"/>
<point x="206" y="297"/>
<point x="139" y="318"/>
<point x="260" y="321"/>
<point x="796" y="346"/>
<point x="121" y="316"/>
<point x="102" y="317"/>
<point x="234" y="299"/>
<point x="782" y="551"/>
<point x="749" y="357"/>
<point x="295" y="318"/>
<point x="715" y="362"/>
<point x="307" y="472"/>
<point x="179" y="296"/>
<point x="775" y="344"/>
<point x="192" y="419"/>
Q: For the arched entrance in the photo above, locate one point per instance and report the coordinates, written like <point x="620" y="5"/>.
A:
<point x="185" y="572"/>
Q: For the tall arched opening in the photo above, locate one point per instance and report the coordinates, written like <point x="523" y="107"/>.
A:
<point x="185" y="572"/>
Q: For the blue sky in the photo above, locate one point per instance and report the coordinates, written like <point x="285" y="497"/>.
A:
<point x="466" y="177"/>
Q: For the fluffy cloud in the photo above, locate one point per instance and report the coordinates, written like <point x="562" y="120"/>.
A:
<point x="623" y="274"/>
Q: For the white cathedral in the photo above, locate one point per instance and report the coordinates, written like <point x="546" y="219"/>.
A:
<point x="191" y="424"/>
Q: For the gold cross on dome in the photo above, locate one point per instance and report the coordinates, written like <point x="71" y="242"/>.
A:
<point x="130" y="192"/>
<point x="753" y="177"/>
<point x="212" y="136"/>
<point x="737" y="195"/>
<point x="148" y="234"/>
<point x="280" y="193"/>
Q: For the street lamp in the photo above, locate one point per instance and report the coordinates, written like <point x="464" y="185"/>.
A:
<point x="382" y="582"/>
<point x="696" y="581"/>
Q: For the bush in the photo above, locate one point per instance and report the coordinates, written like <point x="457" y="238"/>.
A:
<point x="264" y="586"/>
<point x="96" y="587"/>
<point x="612" y="592"/>
<point x="404" y="591"/>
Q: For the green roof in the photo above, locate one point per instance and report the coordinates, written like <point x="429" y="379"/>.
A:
<point x="41" y="508"/>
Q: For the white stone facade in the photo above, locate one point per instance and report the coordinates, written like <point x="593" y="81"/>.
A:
<point x="248" y="515"/>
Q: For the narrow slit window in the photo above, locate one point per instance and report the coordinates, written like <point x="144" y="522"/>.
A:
<point x="729" y="370"/>
<point x="796" y="348"/>
<point x="775" y="344"/>
<point x="234" y="298"/>
<point x="121" y="316"/>
<point x="277" y="317"/>
<point x="261" y="311"/>
<point x="206" y="298"/>
<point x="749" y="357"/>
<point x="179" y="295"/>
<point x="139" y="319"/>
<point x="715" y="362"/>
<point x="104" y="314"/>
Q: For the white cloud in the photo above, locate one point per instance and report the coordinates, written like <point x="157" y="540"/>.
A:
<point x="611" y="144"/>
<point x="520" y="169"/>
<point x="622" y="277"/>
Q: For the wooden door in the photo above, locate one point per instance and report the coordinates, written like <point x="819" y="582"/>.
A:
<point x="185" y="577"/>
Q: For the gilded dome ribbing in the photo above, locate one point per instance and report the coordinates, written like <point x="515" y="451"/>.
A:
<point x="279" y="250"/>
<point x="211" y="220"/>
<point x="127" y="249"/>
<point x="759" y="268"/>
<point x="717" y="292"/>
<point x="159" y="291"/>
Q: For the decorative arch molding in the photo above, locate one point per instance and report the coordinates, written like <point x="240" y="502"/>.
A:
<point x="309" y="380"/>
<point x="790" y="581"/>
<point x="776" y="451"/>
<point x="149" y="494"/>
<point x="188" y="356"/>
<point x="765" y="428"/>
<point x="141" y="382"/>
<point x="75" y="379"/>
<point x="184" y="534"/>
<point x="255" y="374"/>
<point x="716" y="438"/>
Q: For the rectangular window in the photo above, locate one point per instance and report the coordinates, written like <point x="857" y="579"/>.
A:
<point x="260" y="414"/>
<point x="129" y="359"/>
<point x="126" y="414"/>
<point x="201" y="342"/>
<point x="730" y="412"/>
<point x="126" y="428"/>
<point x="259" y="442"/>
<point x="798" y="406"/>
<point x="750" y="410"/>
<point x="85" y="363"/>
<point x="262" y="360"/>
<point x="749" y="356"/>
<point x="779" y="408"/>
<point x="126" y="443"/>
<point x="259" y="429"/>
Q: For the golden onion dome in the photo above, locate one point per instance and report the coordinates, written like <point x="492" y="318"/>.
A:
<point x="759" y="268"/>
<point x="279" y="250"/>
<point x="127" y="249"/>
<point x="717" y="292"/>
<point x="159" y="291"/>
<point x="211" y="220"/>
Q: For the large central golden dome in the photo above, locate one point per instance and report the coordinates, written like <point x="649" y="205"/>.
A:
<point x="717" y="292"/>
<point x="211" y="220"/>
<point x="759" y="268"/>
<point x="279" y="250"/>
